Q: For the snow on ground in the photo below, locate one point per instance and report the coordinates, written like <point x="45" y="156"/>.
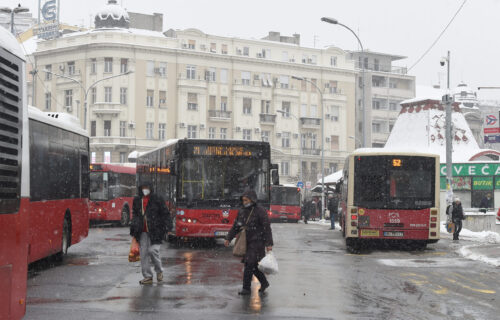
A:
<point x="321" y="222"/>
<point x="469" y="253"/>
<point x="486" y="237"/>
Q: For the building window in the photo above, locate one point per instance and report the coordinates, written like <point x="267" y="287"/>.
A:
<point x="191" y="44"/>
<point x="192" y="101"/>
<point x="161" y="131"/>
<point x="163" y="99"/>
<point x="285" y="140"/>
<point x="223" y="103"/>
<point x="68" y="98"/>
<point x="210" y="75"/>
<point x="223" y="133"/>
<point x="285" y="168"/>
<point x="247" y="134"/>
<point x="314" y="111"/>
<point x="376" y="65"/>
<point x="93" y="95"/>
<point x="334" y="113"/>
<point x="48" y="100"/>
<point x="108" y="94"/>
<point x="123" y="65"/>
<point x="334" y="141"/>
<point x="223" y="75"/>
<point x="211" y="133"/>
<point x="150" y="68"/>
<point x="393" y="106"/>
<point x="107" y="157"/>
<point x="192" y="132"/>
<point x="191" y="72"/>
<point x="162" y="69"/>
<point x="213" y="47"/>
<point x="123" y="95"/>
<point x="247" y="105"/>
<point x="149" y="130"/>
<point x="393" y="84"/>
<point x="93" y="127"/>
<point x="284" y="82"/>
<point x="150" y="98"/>
<point x="313" y="141"/>
<point x="265" y="135"/>
<point x="285" y="107"/>
<point x="303" y="85"/>
<point x="284" y="56"/>
<point x="314" y="59"/>
<point x="224" y="49"/>
<point x="245" y="78"/>
<point x="48" y="76"/>
<point x="331" y="86"/>
<point x="333" y="61"/>
<point x="108" y="65"/>
<point x="107" y="128"/>
<point x="376" y="127"/>
<point x="123" y="128"/>
<point x="376" y="104"/>
<point x="93" y="66"/>
<point x="265" y="106"/>
<point x="211" y="102"/>
<point x="71" y="67"/>
<point x="246" y="51"/>
<point x="303" y="140"/>
<point x="303" y="110"/>
<point x="365" y="63"/>
<point x="123" y="157"/>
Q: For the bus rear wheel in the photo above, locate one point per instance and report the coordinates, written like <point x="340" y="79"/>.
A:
<point x="353" y="245"/>
<point x="125" y="218"/>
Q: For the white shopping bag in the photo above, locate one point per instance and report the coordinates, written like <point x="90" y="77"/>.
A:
<point x="269" y="264"/>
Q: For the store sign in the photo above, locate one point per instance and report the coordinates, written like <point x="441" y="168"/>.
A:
<point x="491" y="125"/>
<point x="457" y="183"/>
<point x="482" y="183"/>
<point x="473" y="169"/>
<point x="497" y="183"/>
<point x="48" y="19"/>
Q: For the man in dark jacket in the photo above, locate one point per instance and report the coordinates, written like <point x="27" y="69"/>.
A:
<point x="457" y="215"/>
<point x="150" y="222"/>
<point x="307" y="210"/>
<point x="333" y="208"/>
<point x="259" y="239"/>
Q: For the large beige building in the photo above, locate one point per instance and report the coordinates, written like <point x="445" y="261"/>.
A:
<point x="188" y="84"/>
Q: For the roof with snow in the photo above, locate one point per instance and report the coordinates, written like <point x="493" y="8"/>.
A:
<point x="421" y="125"/>
<point x="112" y="15"/>
<point x="9" y="43"/>
<point x="332" y="178"/>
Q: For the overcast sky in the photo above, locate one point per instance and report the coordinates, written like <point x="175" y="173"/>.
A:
<point x="401" y="27"/>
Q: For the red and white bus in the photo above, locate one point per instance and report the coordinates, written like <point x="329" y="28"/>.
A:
<point x="44" y="180"/>
<point x="112" y="190"/>
<point x="285" y="203"/>
<point x="390" y="196"/>
<point x="202" y="181"/>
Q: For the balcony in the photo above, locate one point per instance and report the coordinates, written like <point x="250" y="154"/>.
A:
<point x="109" y="141"/>
<point x="219" y="115"/>
<point x="245" y="85"/>
<point x="266" y="118"/>
<point x="310" y="122"/>
<point x="197" y="83"/>
<point x="311" y="152"/>
<point x="106" y="108"/>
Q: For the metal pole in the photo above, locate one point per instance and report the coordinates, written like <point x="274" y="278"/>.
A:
<point x="12" y="22"/>
<point x="322" y="156"/>
<point x="449" y="162"/>
<point x="363" y="94"/>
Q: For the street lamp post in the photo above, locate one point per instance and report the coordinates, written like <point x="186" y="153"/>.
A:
<point x="12" y="12"/>
<point x="335" y="21"/>
<point x="300" y="141"/>
<point x="86" y="91"/>
<point x="322" y="142"/>
<point x="448" y="100"/>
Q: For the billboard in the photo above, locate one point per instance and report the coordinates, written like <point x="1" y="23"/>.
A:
<point x="491" y="127"/>
<point x="48" y="19"/>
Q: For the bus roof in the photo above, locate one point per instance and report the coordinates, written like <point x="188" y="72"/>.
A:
<point x="387" y="151"/>
<point x="120" y="168"/>
<point x="9" y="43"/>
<point x="59" y="120"/>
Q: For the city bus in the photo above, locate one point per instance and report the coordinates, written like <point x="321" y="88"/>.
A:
<point x="285" y="203"/>
<point x="112" y="190"/>
<point x="390" y="196"/>
<point x="202" y="181"/>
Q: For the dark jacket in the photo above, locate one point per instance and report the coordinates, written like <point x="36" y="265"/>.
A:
<point x="309" y="209"/>
<point x="333" y="205"/>
<point x="258" y="230"/>
<point x="486" y="203"/>
<point x="157" y="216"/>
<point x="457" y="212"/>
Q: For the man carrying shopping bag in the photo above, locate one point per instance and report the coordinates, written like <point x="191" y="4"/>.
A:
<point x="259" y="239"/>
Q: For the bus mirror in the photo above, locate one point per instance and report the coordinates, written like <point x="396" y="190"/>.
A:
<point x="275" y="177"/>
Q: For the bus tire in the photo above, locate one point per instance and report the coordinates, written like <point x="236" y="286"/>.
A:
<point x="352" y="245"/>
<point x="65" y="238"/>
<point x="125" y="218"/>
<point x="342" y="226"/>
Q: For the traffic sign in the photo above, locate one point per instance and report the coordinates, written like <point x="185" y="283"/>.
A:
<point x="308" y="184"/>
<point x="300" y="184"/>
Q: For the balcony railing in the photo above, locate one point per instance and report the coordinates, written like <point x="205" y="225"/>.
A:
<point x="267" y="118"/>
<point x="219" y="114"/>
<point x="310" y="121"/>
<point x="311" y="152"/>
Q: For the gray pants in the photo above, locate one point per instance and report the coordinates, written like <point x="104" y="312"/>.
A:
<point x="149" y="253"/>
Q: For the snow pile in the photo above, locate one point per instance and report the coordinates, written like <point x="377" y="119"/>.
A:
<point x="485" y="237"/>
<point x="468" y="253"/>
<point x="322" y="222"/>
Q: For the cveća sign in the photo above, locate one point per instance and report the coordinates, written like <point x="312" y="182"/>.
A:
<point x="472" y="169"/>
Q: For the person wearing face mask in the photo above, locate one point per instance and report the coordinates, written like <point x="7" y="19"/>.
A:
<point x="150" y="221"/>
<point x="487" y="202"/>
<point x="259" y="239"/>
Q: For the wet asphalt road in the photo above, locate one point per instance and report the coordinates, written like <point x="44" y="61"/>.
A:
<point x="318" y="279"/>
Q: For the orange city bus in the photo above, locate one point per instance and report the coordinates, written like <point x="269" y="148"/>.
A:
<point x="112" y="190"/>
<point x="285" y="203"/>
<point x="387" y="195"/>
<point x="44" y="171"/>
<point x="202" y="181"/>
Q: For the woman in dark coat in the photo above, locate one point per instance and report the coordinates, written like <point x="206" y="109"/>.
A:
<point x="259" y="239"/>
<point x="457" y="215"/>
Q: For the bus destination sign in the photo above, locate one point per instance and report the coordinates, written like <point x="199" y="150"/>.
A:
<point x="222" y="151"/>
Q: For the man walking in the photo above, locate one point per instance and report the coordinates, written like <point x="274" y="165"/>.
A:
<point x="333" y="208"/>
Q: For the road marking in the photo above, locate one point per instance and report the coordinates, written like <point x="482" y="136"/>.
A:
<point x="425" y="263"/>
<point x="441" y="290"/>
<point x="470" y="288"/>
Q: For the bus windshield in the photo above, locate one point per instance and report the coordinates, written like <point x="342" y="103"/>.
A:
<point x="285" y="196"/>
<point x="394" y="182"/>
<point x="98" y="186"/>
<point x="223" y="178"/>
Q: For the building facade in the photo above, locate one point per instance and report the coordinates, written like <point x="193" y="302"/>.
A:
<point x="188" y="84"/>
<point x="386" y="86"/>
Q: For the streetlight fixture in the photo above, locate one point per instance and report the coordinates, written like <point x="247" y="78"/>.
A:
<point x="335" y="21"/>
<point x="448" y="100"/>
<point x="322" y="143"/>
<point x="12" y="12"/>
<point x="86" y="91"/>
<point x="300" y="141"/>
